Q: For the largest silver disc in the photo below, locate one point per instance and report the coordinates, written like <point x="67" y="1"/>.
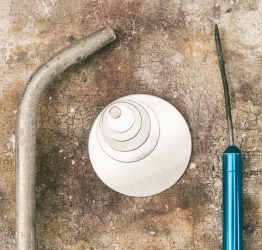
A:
<point x="158" y="169"/>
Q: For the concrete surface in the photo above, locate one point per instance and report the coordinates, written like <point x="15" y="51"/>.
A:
<point x="164" y="48"/>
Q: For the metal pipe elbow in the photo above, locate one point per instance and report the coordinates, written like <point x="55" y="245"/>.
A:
<point x="26" y="129"/>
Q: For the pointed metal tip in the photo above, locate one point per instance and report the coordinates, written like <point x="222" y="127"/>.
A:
<point x="216" y="29"/>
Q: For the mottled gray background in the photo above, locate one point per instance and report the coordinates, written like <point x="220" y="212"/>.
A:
<point x="165" y="48"/>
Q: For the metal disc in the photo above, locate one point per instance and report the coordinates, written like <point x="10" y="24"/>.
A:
<point x="127" y="135"/>
<point x="137" y="173"/>
<point x="137" y="153"/>
<point x="133" y="142"/>
<point x="123" y="122"/>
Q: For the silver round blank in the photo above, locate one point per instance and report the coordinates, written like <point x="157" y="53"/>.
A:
<point x="115" y="112"/>
<point x="140" y="138"/>
<point x="126" y="117"/>
<point x="157" y="163"/>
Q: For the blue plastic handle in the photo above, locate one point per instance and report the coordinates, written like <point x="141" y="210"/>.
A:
<point x="232" y="199"/>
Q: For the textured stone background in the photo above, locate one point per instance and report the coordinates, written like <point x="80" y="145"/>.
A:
<point x="165" y="48"/>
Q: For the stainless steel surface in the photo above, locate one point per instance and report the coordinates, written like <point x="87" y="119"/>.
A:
<point x="154" y="166"/>
<point x="138" y="147"/>
<point x="123" y="122"/>
<point x="25" y="129"/>
<point x="133" y="142"/>
<point x="134" y="128"/>
<point x="115" y="112"/>
<point x="225" y="85"/>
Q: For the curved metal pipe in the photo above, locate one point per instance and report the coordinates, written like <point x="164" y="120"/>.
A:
<point x="26" y="124"/>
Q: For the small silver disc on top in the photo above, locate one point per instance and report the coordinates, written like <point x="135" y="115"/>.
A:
<point x="115" y="112"/>
<point x="139" y="145"/>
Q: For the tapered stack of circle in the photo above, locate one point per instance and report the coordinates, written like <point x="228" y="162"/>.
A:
<point x="128" y="131"/>
<point x="139" y="145"/>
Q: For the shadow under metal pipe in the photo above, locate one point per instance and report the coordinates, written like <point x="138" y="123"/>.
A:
<point x="26" y="129"/>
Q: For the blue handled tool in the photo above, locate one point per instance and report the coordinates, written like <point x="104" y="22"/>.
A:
<point x="232" y="174"/>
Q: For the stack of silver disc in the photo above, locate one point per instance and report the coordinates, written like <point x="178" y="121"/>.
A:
<point x="139" y="145"/>
<point x="128" y="130"/>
